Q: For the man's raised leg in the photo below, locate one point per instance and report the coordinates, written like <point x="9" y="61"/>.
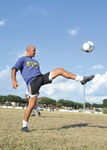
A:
<point x="61" y="72"/>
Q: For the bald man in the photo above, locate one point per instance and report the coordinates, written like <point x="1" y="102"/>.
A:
<point x="30" y="71"/>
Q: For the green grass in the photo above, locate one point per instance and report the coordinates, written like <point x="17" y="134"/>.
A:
<point x="53" y="131"/>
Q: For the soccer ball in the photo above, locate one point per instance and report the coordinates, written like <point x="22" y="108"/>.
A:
<point x="88" y="46"/>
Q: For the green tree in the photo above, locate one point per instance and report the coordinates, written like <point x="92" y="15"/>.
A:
<point x="61" y="102"/>
<point x="105" y="103"/>
<point x="78" y="105"/>
<point x="11" y="98"/>
<point x="87" y="105"/>
<point x="47" y="101"/>
<point x="97" y="105"/>
<point x="66" y="103"/>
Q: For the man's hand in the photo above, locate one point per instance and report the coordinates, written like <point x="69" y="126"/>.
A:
<point x="15" y="84"/>
<point x="14" y="81"/>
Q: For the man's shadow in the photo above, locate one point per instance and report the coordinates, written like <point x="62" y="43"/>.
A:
<point x="74" y="126"/>
<point x="79" y="125"/>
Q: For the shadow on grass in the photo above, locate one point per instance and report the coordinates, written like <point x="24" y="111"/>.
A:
<point x="80" y="125"/>
<point x="51" y="116"/>
<point x="74" y="126"/>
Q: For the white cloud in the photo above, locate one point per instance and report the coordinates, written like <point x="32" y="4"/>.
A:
<point x="5" y="72"/>
<point x="73" y="31"/>
<point x="95" y="99"/>
<point x="68" y="89"/>
<point x="61" y="88"/>
<point x="98" y="83"/>
<point x="3" y="22"/>
<point x="98" y="66"/>
<point x="6" y="87"/>
<point x="21" y="54"/>
<point x="5" y="80"/>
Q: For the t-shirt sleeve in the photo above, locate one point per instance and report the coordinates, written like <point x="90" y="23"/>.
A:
<point x="19" y="64"/>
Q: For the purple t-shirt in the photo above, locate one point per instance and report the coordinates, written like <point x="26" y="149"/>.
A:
<point x="28" y="67"/>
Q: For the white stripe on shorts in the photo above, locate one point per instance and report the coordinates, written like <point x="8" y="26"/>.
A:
<point x="50" y="76"/>
<point x="33" y="95"/>
<point x="29" y="91"/>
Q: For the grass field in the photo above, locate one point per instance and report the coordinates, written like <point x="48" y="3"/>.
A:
<point x="53" y="131"/>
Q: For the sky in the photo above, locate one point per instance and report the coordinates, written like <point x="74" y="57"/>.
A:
<point x="58" y="29"/>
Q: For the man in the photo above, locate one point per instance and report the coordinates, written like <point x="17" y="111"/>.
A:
<point x="34" y="79"/>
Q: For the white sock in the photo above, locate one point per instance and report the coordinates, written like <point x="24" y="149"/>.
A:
<point x="25" y="123"/>
<point x="79" y="78"/>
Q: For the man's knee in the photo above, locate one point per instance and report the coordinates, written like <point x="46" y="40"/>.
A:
<point x="57" y="72"/>
<point x="32" y="103"/>
<point x="60" y="70"/>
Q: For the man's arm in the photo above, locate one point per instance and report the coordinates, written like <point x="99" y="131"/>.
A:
<point x="13" y="76"/>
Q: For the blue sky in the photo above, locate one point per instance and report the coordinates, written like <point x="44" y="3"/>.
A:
<point x="58" y="29"/>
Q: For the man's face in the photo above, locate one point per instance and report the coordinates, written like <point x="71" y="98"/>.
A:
<point x="31" y="51"/>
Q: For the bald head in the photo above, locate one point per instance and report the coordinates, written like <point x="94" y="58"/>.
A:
<point x="30" y="51"/>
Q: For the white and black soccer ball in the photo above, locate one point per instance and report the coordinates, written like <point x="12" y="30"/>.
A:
<point x="88" y="46"/>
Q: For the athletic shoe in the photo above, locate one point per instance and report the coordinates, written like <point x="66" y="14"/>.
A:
<point x="39" y="114"/>
<point x="25" y="129"/>
<point x="32" y="114"/>
<point x="87" y="79"/>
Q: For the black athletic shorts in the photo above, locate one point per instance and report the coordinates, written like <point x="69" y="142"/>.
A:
<point x="35" y="85"/>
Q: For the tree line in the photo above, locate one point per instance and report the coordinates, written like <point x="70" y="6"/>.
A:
<point x="51" y="102"/>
